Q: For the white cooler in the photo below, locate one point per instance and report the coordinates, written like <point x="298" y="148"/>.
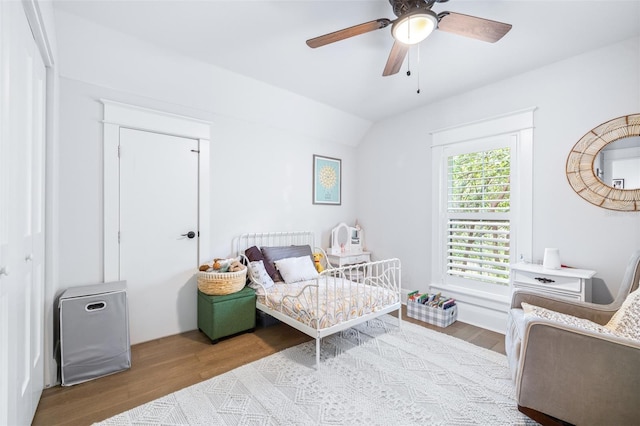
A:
<point x="94" y="332"/>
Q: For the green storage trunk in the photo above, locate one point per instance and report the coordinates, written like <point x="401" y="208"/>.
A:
<point x="220" y="316"/>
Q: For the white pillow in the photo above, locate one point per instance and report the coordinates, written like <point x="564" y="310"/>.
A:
<point x="626" y="322"/>
<point x="537" y="311"/>
<point x="294" y="269"/>
<point x="259" y="273"/>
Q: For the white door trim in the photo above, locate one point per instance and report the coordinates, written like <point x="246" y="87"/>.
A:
<point x="34" y="17"/>
<point x="117" y="115"/>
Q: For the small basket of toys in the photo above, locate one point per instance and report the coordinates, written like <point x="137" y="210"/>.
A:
<point x="223" y="276"/>
<point x="432" y="308"/>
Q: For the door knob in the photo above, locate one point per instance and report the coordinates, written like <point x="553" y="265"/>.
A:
<point x="4" y="271"/>
<point x="189" y="234"/>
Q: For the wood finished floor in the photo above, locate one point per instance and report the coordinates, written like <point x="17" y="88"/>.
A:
<point x="166" y="365"/>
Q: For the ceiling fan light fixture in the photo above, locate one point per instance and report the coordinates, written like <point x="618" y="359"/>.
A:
<point x="414" y="26"/>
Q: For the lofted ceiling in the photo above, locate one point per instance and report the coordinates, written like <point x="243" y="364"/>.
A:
<point x="265" y="40"/>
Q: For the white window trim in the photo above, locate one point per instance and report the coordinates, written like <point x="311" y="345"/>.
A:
<point x="117" y="115"/>
<point x="518" y="124"/>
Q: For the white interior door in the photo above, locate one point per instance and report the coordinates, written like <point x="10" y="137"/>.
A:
<point x="22" y="142"/>
<point x="158" y="208"/>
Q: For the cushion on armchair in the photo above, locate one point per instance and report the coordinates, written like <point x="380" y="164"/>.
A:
<point x="626" y="322"/>
<point x="537" y="311"/>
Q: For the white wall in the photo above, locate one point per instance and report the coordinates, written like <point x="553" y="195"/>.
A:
<point x="262" y="143"/>
<point x="572" y="97"/>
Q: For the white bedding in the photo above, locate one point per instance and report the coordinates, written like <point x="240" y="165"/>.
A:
<point x="335" y="300"/>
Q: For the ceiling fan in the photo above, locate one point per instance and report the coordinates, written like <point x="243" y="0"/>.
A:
<point x="415" y="21"/>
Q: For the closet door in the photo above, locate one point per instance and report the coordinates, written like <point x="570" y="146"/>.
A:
<point x="21" y="217"/>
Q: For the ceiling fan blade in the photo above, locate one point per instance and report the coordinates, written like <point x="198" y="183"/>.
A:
<point x="348" y="32"/>
<point x="472" y="26"/>
<point x="396" y="58"/>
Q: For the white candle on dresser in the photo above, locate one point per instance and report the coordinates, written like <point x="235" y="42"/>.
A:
<point x="551" y="258"/>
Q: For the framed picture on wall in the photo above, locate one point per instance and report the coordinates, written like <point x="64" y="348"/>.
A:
<point x="327" y="180"/>
<point x="618" y="183"/>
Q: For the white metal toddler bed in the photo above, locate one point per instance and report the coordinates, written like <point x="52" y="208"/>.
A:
<point x="335" y="300"/>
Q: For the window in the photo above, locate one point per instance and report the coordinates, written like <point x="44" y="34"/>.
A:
<point x="482" y="202"/>
<point x="478" y="215"/>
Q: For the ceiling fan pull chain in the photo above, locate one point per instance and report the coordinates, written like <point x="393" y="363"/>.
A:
<point x="409" y="51"/>
<point x="418" y="91"/>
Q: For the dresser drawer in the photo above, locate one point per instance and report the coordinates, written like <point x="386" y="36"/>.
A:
<point x="551" y="291"/>
<point x="348" y="258"/>
<point x="569" y="283"/>
<point x="542" y="280"/>
<point x="359" y="259"/>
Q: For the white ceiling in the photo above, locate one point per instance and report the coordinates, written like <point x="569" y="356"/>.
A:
<point x="265" y="40"/>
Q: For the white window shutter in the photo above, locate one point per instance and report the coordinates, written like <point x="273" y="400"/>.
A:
<point x="478" y="215"/>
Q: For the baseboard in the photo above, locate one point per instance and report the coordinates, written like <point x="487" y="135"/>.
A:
<point x="488" y="319"/>
<point x="485" y="311"/>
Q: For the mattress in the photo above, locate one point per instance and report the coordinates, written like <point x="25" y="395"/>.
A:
<point x="335" y="300"/>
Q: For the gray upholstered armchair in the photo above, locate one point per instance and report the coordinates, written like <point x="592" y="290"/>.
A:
<point x="565" y="372"/>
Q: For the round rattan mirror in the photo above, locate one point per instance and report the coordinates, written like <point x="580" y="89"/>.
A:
<point x="582" y="169"/>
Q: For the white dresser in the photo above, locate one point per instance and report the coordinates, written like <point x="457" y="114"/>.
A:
<point x="569" y="283"/>
<point x="347" y="258"/>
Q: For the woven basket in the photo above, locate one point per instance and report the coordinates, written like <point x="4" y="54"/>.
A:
<point x="221" y="283"/>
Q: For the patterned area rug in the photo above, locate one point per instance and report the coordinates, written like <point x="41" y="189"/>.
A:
<point x="373" y="374"/>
